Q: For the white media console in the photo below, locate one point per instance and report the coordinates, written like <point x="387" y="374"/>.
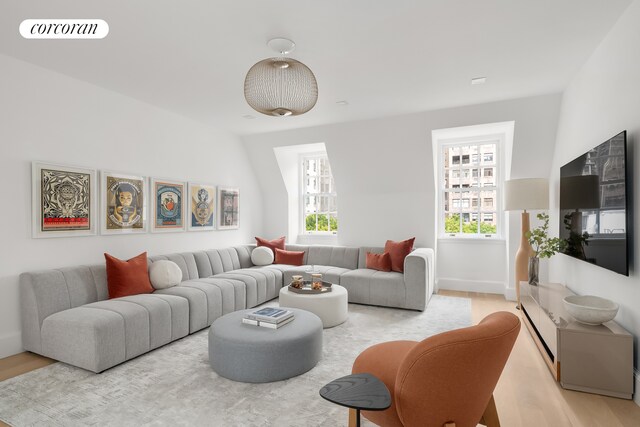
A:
<point x="594" y="359"/>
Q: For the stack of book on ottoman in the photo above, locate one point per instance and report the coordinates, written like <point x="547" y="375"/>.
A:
<point x="269" y="317"/>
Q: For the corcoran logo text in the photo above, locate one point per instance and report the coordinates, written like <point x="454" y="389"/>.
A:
<point x="64" y="29"/>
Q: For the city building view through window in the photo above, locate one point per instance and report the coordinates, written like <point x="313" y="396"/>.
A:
<point x="469" y="189"/>
<point x="320" y="206"/>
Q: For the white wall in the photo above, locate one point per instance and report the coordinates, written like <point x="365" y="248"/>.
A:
<point x="602" y="100"/>
<point x="49" y="117"/>
<point x="383" y="170"/>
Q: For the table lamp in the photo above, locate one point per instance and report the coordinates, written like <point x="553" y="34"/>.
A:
<point x="520" y="195"/>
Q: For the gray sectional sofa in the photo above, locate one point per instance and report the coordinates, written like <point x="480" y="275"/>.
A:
<point x="67" y="316"/>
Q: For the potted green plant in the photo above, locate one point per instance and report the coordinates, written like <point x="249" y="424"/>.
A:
<point x="543" y="246"/>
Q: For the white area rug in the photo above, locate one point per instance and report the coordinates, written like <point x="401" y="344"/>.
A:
<point x="174" y="385"/>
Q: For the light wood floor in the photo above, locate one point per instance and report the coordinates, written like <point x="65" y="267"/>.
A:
<point x="526" y="395"/>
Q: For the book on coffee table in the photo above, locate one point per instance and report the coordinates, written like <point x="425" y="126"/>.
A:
<point x="270" y="315"/>
<point x="268" y="325"/>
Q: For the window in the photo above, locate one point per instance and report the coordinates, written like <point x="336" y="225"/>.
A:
<point x="468" y="208"/>
<point x="319" y="199"/>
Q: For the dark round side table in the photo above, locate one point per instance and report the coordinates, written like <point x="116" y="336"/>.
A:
<point x="359" y="392"/>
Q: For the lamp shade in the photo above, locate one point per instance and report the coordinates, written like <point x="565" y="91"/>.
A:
<point x="528" y="193"/>
<point x="579" y="192"/>
<point x="280" y="87"/>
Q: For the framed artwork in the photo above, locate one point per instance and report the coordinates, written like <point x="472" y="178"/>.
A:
<point x="63" y="200"/>
<point x="124" y="205"/>
<point x="168" y="205"/>
<point x="228" y="208"/>
<point x="202" y="203"/>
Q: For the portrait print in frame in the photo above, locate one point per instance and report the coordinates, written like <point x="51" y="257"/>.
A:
<point x="228" y="208"/>
<point x="202" y="201"/>
<point x="63" y="200"/>
<point x="123" y="203"/>
<point x="168" y="205"/>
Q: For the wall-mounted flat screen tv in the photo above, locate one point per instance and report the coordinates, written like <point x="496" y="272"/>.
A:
<point x="594" y="206"/>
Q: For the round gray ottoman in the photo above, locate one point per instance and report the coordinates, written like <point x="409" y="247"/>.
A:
<point x="254" y="354"/>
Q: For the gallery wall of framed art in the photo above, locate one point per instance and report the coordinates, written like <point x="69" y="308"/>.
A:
<point x="228" y="208"/>
<point x="124" y="203"/>
<point x="202" y="202"/>
<point x="168" y="206"/>
<point x="71" y="201"/>
<point x="63" y="200"/>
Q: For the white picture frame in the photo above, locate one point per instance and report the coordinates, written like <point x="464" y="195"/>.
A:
<point x="228" y="208"/>
<point x="201" y="206"/>
<point x="168" y="207"/>
<point x="63" y="200"/>
<point x="127" y="192"/>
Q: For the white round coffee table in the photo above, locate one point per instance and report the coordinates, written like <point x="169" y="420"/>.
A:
<point x="330" y="307"/>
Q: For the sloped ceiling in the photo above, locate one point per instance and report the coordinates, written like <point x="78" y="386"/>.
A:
<point x="383" y="57"/>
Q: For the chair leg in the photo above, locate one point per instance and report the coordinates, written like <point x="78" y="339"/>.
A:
<point x="353" y="418"/>
<point x="490" y="416"/>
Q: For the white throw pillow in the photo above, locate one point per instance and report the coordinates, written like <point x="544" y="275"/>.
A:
<point x="164" y="274"/>
<point x="262" y="255"/>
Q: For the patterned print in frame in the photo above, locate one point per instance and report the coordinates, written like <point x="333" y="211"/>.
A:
<point x="123" y="203"/>
<point x="168" y="212"/>
<point x="63" y="200"/>
<point x="202" y="199"/>
<point x="229" y="208"/>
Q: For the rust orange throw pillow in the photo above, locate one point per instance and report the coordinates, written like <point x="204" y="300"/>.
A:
<point x="126" y="278"/>
<point x="289" y="257"/>
<point x="398" y="251"/>
<point x="380" y="262"/>
<point x="271" y="244"/>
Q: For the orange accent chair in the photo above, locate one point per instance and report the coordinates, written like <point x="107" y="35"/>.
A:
<point x="445" y="380"/>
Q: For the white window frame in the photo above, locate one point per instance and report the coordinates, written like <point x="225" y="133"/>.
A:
<point x="497" y="185"/>
<point x="302" y="180"/>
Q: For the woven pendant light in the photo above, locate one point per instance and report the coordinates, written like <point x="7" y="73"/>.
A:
<point x="281" y="86"/>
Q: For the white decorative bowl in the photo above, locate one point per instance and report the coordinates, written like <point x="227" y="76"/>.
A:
<point x="590" y="309"/>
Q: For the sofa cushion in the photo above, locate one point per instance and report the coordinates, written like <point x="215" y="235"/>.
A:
<point x="289" y="257"/>
<point x="262" y="284"/>
<point x="164" y="274"/>
<point x="398" y="251"/>
<point x="99" y="335"/>
<point x="337" y="256"/>
<point x="185" y="260"/>
<point x="262" y="255"/>
<point x="271" y="244"/>
<point x="374" y="287"/>
<point x="129" y="277"/>
<point x="220" y="296"/>
<point x="381" y="262"/>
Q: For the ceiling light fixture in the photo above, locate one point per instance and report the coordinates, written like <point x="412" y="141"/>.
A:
<point x="479" y="81"/>
<point x="281" y="86"/>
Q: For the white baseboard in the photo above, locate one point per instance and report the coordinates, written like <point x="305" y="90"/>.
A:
<point x="480" y="286"/>
<point x="10" y="344"/>
<point x="636" y="395"/>
<point x="510" y="294"/>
